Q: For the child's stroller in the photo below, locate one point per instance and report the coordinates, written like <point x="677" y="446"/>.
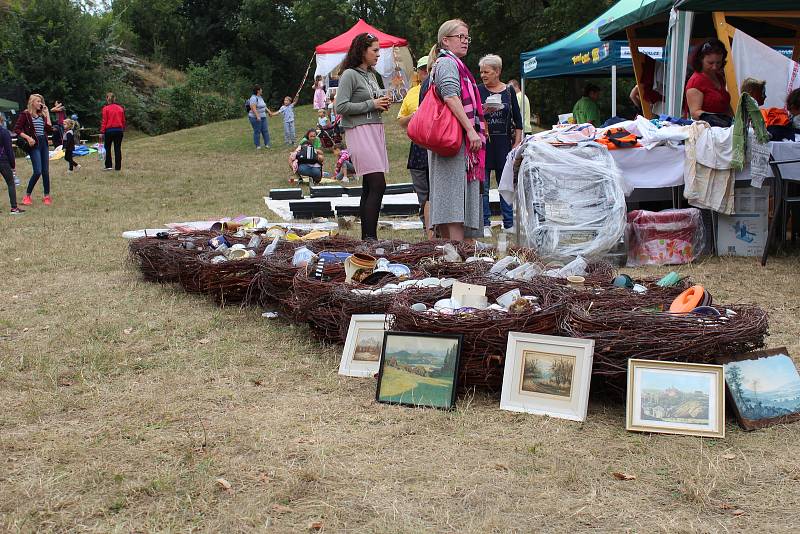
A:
<point x="331" y="135"/>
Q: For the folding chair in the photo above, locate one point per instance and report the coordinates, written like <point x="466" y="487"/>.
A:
<point x="782" y="202"/>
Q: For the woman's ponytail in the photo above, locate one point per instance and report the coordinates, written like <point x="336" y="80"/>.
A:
<point x="434" y="53"/>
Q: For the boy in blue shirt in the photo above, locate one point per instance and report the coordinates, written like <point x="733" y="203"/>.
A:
<point x="287" y="109"/>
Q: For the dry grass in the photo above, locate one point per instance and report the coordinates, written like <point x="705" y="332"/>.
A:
<point x="123" y="401"/>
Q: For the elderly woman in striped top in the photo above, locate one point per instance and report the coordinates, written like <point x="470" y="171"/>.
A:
<point x="32" y="126"/>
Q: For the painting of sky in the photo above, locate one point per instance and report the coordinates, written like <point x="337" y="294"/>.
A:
<point x="660" y="379"/>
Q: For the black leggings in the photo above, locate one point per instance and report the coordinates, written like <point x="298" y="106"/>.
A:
<point x="8" y="175"/>
<point x="373" y="186"/>
<point x="113" y="139"/>
<point x="68" y="157"/>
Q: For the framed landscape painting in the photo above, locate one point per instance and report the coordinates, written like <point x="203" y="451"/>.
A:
<point x="419" y="369"/>
<point x="676" y="398"/>
<point x="764" y="388"/>
<point x="547" y="375"/>
<point x="362" y="349"/>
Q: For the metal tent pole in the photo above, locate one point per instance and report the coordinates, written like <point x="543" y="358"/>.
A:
<point x="613" y="90"/>
<point x="516" y="189"/>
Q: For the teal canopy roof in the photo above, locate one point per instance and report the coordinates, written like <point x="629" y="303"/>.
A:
<point x="656" y="12"/>
<point x="582" y="53"/>
<point x="738" y="5"/>
<point x="647" y="9"/>
<point x="6" y="105"/>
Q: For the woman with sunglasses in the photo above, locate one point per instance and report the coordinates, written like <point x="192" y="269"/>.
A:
<point x="706" y="96"/>
<point x="455" y="182"/>
<point x="361" y="102"/>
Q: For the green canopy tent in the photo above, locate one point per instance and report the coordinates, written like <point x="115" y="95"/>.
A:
<point x="736" y="5"/>
<point x="583" y="54"/>
<point x="773" y="22"/>
<point x="8" y="106"/>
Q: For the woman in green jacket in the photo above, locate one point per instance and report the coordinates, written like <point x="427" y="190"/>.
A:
<point x="361" y="102"/>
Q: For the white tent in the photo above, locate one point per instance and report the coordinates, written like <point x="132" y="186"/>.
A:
<point x="395" y="59"/>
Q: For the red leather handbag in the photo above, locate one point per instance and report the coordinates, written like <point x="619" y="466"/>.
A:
<point x="434" y="127"/>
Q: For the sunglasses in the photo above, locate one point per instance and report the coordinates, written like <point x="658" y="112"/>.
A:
<point x="370" y="36"/>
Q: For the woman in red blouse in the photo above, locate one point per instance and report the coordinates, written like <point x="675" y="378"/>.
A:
<point x="706" y="95"/>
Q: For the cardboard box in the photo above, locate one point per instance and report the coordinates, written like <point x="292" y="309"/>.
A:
<point x="745" y="232"/>
<point x="742" y="234"/>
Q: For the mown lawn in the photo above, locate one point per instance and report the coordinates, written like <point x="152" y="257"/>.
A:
<point x="122" y="402"/>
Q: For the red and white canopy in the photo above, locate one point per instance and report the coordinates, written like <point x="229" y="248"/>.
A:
<point x="331" y="53"/>
<point x="341" y="43"/>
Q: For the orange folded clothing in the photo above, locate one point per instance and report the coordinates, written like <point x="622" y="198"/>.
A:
<point x="615" y="138"/>
<point x="776" y="117"/>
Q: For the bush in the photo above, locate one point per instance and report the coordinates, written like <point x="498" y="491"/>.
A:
<point x="139" y="107"/>
<point x="212" y="92"/>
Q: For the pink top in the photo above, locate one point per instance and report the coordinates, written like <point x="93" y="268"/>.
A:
<point x="343" y="156"/>
<point x="319" y="97"/>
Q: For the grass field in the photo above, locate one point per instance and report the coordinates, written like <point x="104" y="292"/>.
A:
<point x="122" y="402"/>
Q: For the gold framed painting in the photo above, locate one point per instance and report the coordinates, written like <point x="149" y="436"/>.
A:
<point x="547" y="375"/>
<point x="362" y="349"/>
<point x="676" y="398"/>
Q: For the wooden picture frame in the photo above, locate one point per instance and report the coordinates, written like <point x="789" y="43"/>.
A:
<point x="364" y="345"/>
<point x="775" y="372"/>
<point x="547" y="375"/>
<point x="675" y="398"/>
<point x="419" y="369"/>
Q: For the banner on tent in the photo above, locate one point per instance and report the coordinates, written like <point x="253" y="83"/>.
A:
<point x="655" y="52"/>
<point x="595" y="55"/>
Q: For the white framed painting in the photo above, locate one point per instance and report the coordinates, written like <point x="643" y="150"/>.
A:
<point x="676" y="398"/>
<point x="362" y="349"/>
<point x="547" y="375"/>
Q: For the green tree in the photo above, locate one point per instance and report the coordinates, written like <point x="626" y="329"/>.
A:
<point x="532" y="369"/>
<point x="8" y="36"/>
<point x="733" y="376"/>
<point x="58" y="51"/>
<point x="153" y="28"/>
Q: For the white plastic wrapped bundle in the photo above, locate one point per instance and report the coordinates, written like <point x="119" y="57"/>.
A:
<point x="571" y="200"/>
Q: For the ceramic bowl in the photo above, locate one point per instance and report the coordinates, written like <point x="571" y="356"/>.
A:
<point x="398" y="269"/>
<point x="707" y="311"/>
<point x="508" y="297"/>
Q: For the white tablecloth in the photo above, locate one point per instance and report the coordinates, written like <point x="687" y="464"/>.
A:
<point x="661" y="166"/>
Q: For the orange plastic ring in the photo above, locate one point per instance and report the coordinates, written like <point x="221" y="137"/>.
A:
<point x="688" y="300"/>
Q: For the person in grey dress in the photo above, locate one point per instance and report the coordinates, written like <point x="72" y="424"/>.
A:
<point x="455" y="201"/>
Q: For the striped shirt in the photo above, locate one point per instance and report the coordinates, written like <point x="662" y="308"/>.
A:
<point x="38" y="125"/>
